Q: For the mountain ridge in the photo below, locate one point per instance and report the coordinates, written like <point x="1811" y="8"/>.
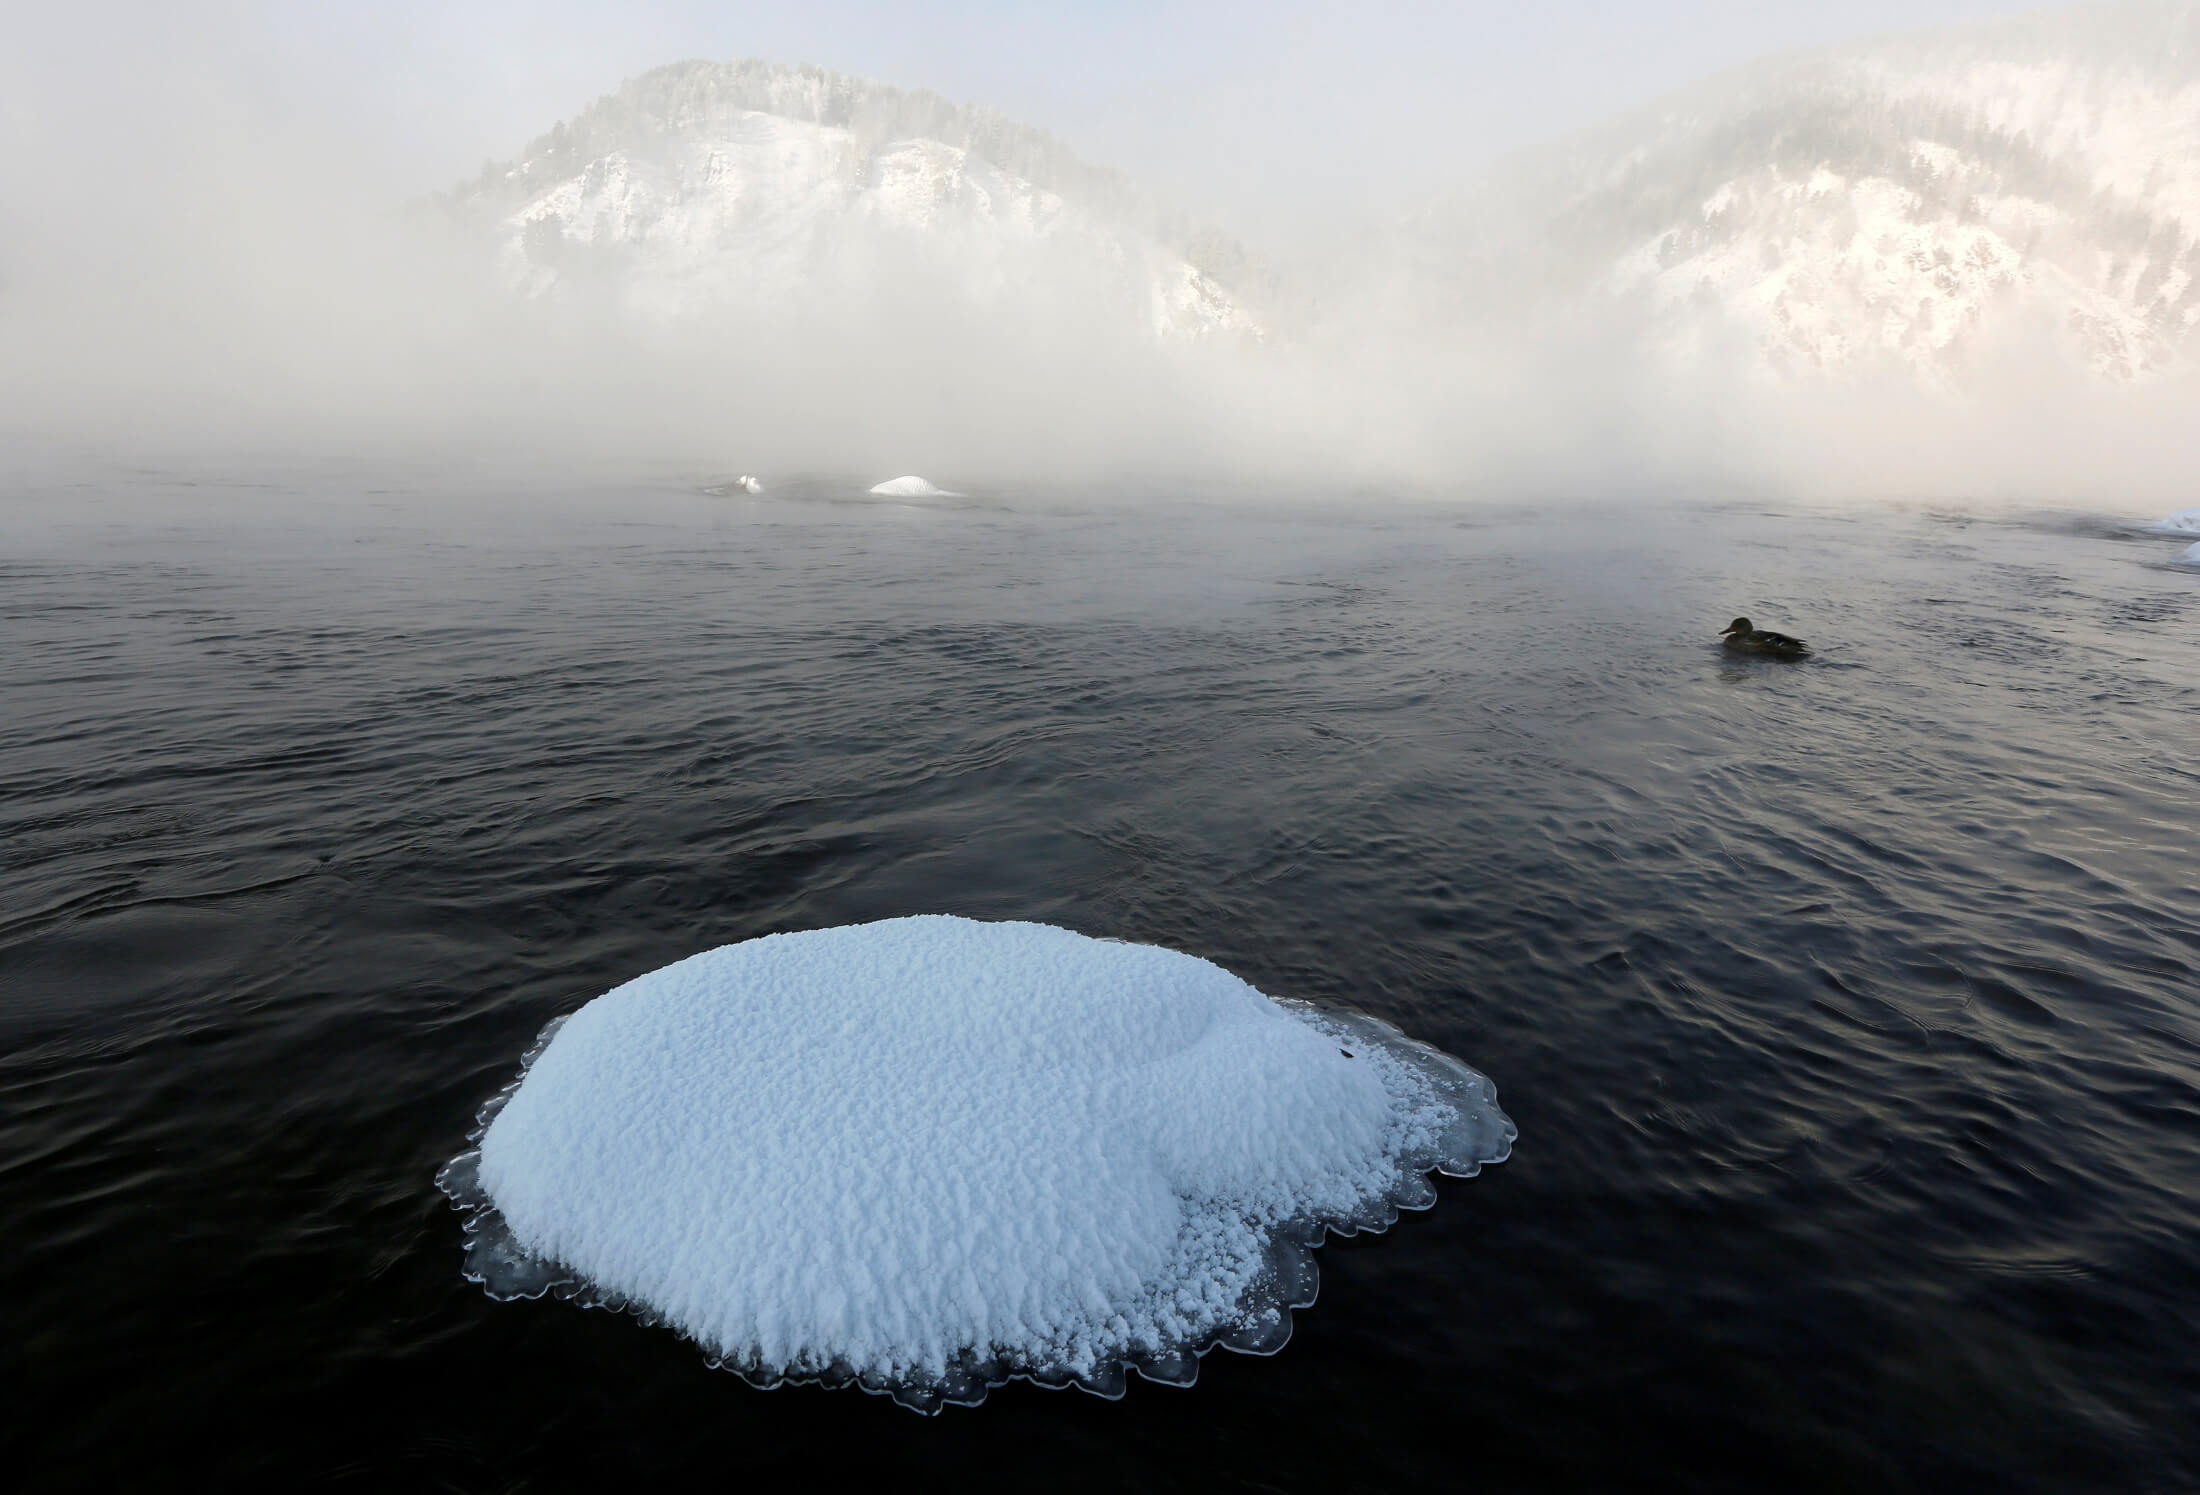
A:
<point x="1938" y="206"/>
<point x="706" y="173"/>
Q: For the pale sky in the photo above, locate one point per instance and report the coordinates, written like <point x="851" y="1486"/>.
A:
<point x="1278" y="111"/>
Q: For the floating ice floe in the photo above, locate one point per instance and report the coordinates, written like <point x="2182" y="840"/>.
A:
<point x="912" y="487"/>
<point x="2190" y="556"/>
<point x="746" y="483"/>
<point x="930" y="1154"/>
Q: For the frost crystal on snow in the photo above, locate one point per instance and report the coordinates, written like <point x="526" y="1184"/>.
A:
<point x="931" y="1153"/>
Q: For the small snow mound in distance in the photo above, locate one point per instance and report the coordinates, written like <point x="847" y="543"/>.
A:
<point x="2190" y="556"/>
<point x="929" y="1154"/>
<point x="912" y="487"/>
<point x="2183" y="522"/>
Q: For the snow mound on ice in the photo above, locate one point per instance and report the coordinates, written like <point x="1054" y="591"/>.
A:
<point x="931" y="1153"/>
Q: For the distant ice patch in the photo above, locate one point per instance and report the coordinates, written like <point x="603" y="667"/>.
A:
<point x="912" y="487"/>
<point x="929" y="1154"/>
<point x="2183" y="522"/>
<point x="2190" y="556"/>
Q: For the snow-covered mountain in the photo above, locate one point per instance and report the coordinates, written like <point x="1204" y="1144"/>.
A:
<point x="702" y="187"/>
<point x="1944" y="206"/>
<point x="1940" y="203"/>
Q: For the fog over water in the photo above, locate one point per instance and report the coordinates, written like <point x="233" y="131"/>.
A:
<point x="218" y="236"/>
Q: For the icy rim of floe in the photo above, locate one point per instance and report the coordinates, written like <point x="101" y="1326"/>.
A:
<point x="1478" y="1134"/>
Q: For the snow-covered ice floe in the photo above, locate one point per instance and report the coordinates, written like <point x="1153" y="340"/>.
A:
<point x="912" y="487"/>
<point x="2189" y="556"/>
<point x="930" y="1154"/>
<point x="2183" y="522"/>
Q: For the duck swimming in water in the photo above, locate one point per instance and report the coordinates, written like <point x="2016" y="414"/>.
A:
<point x="1743" y="639"/>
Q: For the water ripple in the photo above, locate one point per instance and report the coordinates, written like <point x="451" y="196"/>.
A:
<point x="1848" y="1008"/>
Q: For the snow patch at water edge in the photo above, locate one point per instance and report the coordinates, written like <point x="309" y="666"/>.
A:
<point x="929" y="1154"/>
<point x="2189" y="556"/>
<point x="912" y="487"/>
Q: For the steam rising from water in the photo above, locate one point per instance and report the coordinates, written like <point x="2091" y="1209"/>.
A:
<point x="186" y="264"/>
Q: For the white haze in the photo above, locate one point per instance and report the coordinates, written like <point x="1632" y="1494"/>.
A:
<point x="195" y="261"/>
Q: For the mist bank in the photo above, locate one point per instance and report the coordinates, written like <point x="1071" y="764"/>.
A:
<point x="194" y="277"/>
<point x="342" y="329"/>
<point x="372" y="335"/>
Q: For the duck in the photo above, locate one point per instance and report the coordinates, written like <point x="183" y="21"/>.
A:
<point x="1743" y="638"/>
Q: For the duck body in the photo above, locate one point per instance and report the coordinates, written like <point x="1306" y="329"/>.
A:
<point x="1742" y="638"/>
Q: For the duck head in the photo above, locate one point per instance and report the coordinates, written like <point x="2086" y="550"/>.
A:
<point x="1739" y="625"/>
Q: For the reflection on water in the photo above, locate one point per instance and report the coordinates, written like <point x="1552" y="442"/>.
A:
<point x="1848" y="1006"/>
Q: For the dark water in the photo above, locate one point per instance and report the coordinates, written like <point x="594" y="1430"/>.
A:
<point x="1850" y="1011"/>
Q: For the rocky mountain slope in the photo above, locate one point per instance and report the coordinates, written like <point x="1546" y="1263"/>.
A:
<point x="702" y="187"/>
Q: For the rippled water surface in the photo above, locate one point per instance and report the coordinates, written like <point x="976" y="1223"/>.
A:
<point x="1850" y="1010"/>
